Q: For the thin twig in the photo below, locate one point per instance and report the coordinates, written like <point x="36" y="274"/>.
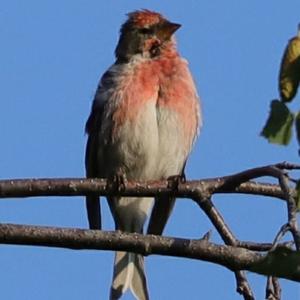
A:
<point x="233" y="181"/>
<point x="292" y="211"/>
<point x="216" y="218"/>
<point x="263" y="247"/>
<point x="273" y="289"/>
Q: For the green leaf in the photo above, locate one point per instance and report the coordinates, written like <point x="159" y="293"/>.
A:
<point x="297" y="125"/>
<point x="289" y="75"/>
<point x="278" y="129"/>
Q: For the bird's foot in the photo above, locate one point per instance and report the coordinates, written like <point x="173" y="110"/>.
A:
<point x="175" y="180"/>
<point x="118" y="181"/>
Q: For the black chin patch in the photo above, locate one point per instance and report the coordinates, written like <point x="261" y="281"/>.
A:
<point x="155" y="50"/>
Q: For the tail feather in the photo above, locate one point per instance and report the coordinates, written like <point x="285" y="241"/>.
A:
<point x="138" y="284"/>
<point x="129" y="273"/>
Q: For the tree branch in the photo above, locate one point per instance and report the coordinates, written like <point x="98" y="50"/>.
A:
<point x="237" y="255"/>
<point x="228" y="237"/>
<point x="233" y="258"/>
<point x="21" y="188"/>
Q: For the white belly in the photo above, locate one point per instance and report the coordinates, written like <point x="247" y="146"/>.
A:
<point x="151" y="148"/>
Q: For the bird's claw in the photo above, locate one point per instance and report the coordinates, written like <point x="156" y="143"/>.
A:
<point x="175" y="180"/>
<point x="118" y="181"/>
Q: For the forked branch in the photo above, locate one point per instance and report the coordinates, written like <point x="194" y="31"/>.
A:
<point x="274" y="259"/>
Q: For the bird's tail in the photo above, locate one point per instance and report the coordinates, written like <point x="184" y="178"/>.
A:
<point x="129" y="273"/>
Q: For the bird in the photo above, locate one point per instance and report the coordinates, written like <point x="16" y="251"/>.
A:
<point x="144" y="120"/>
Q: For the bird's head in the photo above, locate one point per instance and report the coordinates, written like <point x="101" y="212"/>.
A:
<point x="145" y="32"/>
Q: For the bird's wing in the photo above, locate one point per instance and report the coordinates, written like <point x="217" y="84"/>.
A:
<point x="93" y="147"/>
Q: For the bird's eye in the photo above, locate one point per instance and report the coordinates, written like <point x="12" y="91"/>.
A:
<point x="146" y="30"/>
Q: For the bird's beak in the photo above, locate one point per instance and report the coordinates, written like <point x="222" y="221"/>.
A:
<point x="167" y="29"/>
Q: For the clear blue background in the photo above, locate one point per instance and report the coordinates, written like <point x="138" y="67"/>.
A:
<point x="52" y="56"/>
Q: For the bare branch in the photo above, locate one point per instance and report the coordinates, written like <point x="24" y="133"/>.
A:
<point x="273" y="289"/>
<point x="262" y="246"/>
<point x="280" y="261"/>
<point x="20" y="188"/>
<point x="223" y="229"/>
<point x="292" y="210"/>
<point x="234" y="258"/>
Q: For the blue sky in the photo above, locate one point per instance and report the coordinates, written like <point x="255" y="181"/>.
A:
<point x="52" y="56"/>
